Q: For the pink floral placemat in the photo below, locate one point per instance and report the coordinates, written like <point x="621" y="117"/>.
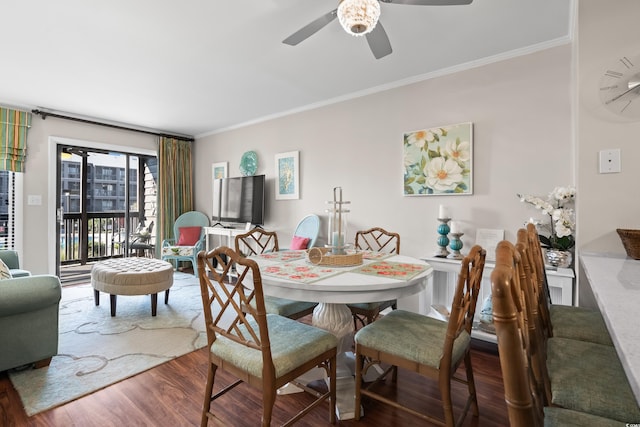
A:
<point x="283" y="256"/>
<point x="300" y="272"/>
<point x="399" y="270"/>
<point x="375" y="255"/>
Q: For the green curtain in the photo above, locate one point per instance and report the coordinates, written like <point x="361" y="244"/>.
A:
<point x="13" y="139"/>
<point x="175" y="183"/>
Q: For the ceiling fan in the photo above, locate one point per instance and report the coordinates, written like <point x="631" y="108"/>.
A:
<point x="360" y="17"/>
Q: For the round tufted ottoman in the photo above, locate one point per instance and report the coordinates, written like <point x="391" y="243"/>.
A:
<point x="132" y="276"/>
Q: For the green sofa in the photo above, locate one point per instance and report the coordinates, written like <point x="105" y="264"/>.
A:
<point x="29" y="320"/>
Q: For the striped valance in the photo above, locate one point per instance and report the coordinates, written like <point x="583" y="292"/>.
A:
<point x="13" y="139"/>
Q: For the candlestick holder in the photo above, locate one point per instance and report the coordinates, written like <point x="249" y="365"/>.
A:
<point x="443" y="240"/>
<point x="337" y="223"/>
<point x="456" y="245"/>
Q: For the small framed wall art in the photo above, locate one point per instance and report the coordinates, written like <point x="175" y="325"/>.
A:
<point x="219" y="170"/>
<point x="439" y="161"/>
<point x="287" y="176"/>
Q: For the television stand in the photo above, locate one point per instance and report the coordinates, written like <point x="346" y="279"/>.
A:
<point x="226" y="236"/>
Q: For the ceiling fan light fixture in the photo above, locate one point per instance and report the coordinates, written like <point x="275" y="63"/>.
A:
<point x="358" y="17"/>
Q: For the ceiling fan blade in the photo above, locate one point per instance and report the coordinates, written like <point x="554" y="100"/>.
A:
<point x="379" y="42"/>
<point x="429" y="2"/>
<point x="311" y="28"/>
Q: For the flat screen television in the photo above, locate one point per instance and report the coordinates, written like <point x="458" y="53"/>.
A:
<point x="239" y="200"/>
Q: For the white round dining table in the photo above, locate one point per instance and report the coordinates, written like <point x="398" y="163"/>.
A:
<point x="290" y="275"/>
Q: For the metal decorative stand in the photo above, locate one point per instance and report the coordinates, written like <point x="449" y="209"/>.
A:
<point x="337" y="223"/>
<point x="455" y="245"/>
<point x="443" y="240"/>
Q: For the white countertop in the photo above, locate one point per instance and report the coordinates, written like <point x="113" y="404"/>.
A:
<point x="615" y="282"/>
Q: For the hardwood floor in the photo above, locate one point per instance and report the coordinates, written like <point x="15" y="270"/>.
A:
<point x="171" y="395"/>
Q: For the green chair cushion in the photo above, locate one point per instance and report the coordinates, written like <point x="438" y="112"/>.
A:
<point x="560" y="417"/>
<point x="285" y="307"/>
<point x="579" y="323"/>
<point x="589" y="377"/>
<point x="411" y="336"/>
<point x="292" y="344"/>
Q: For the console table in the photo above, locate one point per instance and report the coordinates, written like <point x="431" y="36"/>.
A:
<point x="226" y="236"/>
<point x="445" y="278"/>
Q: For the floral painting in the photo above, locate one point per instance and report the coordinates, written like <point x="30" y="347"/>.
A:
<point x="439" y="161"/>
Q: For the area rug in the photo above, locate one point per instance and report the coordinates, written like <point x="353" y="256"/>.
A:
<point x="96" y="350"/>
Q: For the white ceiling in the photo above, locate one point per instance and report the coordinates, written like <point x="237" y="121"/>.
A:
<point x="193" y="67"/>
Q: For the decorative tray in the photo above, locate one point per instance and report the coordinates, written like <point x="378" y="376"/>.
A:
<point x="323" y="256"/>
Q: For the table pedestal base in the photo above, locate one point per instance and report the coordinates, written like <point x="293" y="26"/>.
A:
<point x="337" y="319"/>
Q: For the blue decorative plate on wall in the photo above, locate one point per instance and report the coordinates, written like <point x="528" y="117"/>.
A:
<point x="249" y="163"/>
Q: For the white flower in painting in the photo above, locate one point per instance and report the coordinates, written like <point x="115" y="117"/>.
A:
<point x="412" y="155"/>
<point x="423" y="137"/>
<point x="458" y="151"/>
<point x="443" y="175"/>
<point x="418" y="139"/>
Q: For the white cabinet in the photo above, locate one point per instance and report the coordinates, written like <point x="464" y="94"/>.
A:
<point x="445" y="278"/>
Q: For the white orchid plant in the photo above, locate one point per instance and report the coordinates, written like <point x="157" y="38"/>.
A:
<point x="559" y="206"/>
<point x="434" y="163"/>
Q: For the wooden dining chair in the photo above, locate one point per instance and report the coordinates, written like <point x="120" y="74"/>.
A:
<point x="378" y="240"/>
<point x="573" y="374"/>
<point x="523" y="396"/>
<point x="259" y="241"/>
<point x="264" y="350"/>
<point x="564" y="320"/>
<point x="426" y="346"/>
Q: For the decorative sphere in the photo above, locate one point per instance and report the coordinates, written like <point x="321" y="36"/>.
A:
<point x="456" y="245"/>
<point x="443" y="241"/>
<point x="443" y="229"/>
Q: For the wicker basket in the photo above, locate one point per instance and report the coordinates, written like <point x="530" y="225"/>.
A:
<point x="323" y="256"/>
<point x="630" y="241"/>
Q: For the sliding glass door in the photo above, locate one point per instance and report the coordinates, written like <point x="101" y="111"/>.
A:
<point x="103" y="197"/>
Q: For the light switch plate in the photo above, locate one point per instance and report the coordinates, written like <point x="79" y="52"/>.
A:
<point x="610" y="161"/>
<point x="34" y="199"/>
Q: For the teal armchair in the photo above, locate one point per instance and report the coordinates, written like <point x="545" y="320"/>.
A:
<point x="189" y="239"/>
<point x="29" y="320"/>
<point x="10" y="258"/>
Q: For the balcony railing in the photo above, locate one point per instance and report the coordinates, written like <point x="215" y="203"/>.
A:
<point x="106" y="236"/>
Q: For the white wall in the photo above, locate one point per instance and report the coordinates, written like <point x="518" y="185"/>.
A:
<point x="521" y="113"/>
<point x="605" y="201"/>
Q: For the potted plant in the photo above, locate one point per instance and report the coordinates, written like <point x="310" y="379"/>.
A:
<point x="558" y="239"/>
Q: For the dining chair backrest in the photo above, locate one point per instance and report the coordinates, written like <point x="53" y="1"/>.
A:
<point x="537" y="333"/>
<point x="379" y="240"/>
<point x="236" y="311"/>
<point x="256" y="241"/>
<point x="308" y="227"/>
<point x="522" y="392"/>
<point x="463" y="305"/>
<point x="544" y="298"/>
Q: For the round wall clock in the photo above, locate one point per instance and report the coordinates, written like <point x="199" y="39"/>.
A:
<point x="249" y="163"/>
<point x="620" y="87"/>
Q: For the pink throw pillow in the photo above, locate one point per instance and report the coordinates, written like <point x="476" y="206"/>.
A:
<point x="298" y="243"/>
<point x="189" y="236"/>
